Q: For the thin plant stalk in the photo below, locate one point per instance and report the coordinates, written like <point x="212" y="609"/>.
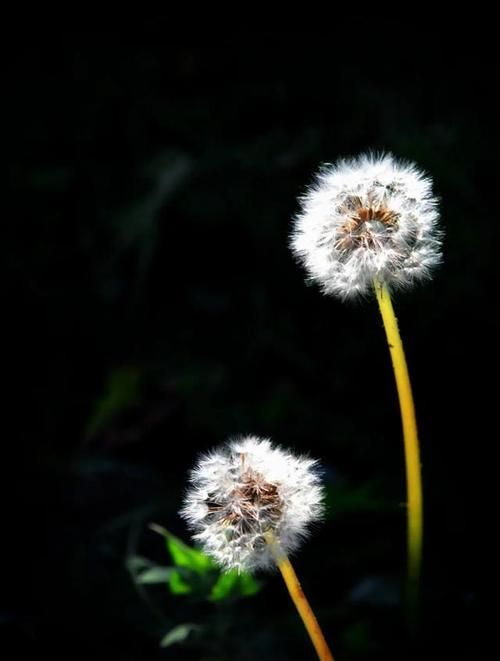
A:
<point x="299" y="599"/>
<point x="411" y="445"/>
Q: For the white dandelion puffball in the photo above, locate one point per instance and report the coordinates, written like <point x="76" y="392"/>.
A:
<point x="248" y="488"/>
<point x="365" y="219"/>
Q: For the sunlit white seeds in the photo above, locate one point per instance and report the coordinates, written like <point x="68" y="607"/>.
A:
<point x="365" y="219"/>
<point x="248" y="488"/>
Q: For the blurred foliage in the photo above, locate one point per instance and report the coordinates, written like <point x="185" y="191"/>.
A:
<point x="193" y="573"/>
<point x="121" y="392"/>
<point x="198" y="575"/>
<point x="155" y="310"/>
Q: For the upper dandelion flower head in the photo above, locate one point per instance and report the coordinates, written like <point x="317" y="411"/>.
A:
<point x="246" y="489"/>
<point x="365" y="219"/>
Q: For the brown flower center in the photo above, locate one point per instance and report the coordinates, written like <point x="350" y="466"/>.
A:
<point x="367" y="225"/>
<point x="253" y="502"/>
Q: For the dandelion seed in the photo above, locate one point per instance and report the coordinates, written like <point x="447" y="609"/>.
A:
<point x="370" y="224"/>
<point x="245" y="490"/>
<point x="368" y="219"/>
<point x="249" y="504"/>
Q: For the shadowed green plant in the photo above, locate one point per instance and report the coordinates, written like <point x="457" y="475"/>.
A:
<point x="122" y="391"/>
<point x="193" y="575"/>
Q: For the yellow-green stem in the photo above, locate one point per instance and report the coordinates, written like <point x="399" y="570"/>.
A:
<point x="411" y="444"/>
<point x="299" y="599"/>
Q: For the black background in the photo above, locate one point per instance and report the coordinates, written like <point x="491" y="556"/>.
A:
<point x="152" y="182"/>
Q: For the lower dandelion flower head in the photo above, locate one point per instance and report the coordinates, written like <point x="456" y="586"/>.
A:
<point x="245" y="490"/>
<point x="366" y="219"/>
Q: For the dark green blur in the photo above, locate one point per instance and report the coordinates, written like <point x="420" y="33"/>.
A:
<point x="155" y="310"/>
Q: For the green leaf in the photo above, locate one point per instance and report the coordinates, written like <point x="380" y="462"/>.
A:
<point x="184" y="555"/>
<point x="146" y="572"/>
<point x="197" y="574"/>
<point x="178" y="634"/>
<point x="122" y="391"/>
<point x="154" y="575"/>
<point x="232" y="584"/>
<point x="188" y="557"/>
<point x="248" y="586"/>
<point x="178" y="583"/>
<point x="224" y="586"/>
<point x="136" y="564"/>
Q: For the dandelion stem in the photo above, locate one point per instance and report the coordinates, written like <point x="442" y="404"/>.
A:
<point x="411" y="445"/>
<point x="299" y="599"/>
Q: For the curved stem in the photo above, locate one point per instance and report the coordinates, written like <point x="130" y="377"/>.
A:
<point x="299" y="599"/>
<point x="411" y="443"/>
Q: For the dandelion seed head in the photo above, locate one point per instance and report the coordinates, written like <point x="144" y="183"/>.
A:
<point x="364" y="219"/>
<point x="245" y="489"/>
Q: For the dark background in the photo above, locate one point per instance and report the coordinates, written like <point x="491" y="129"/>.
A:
<point x="154" y="310"/>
